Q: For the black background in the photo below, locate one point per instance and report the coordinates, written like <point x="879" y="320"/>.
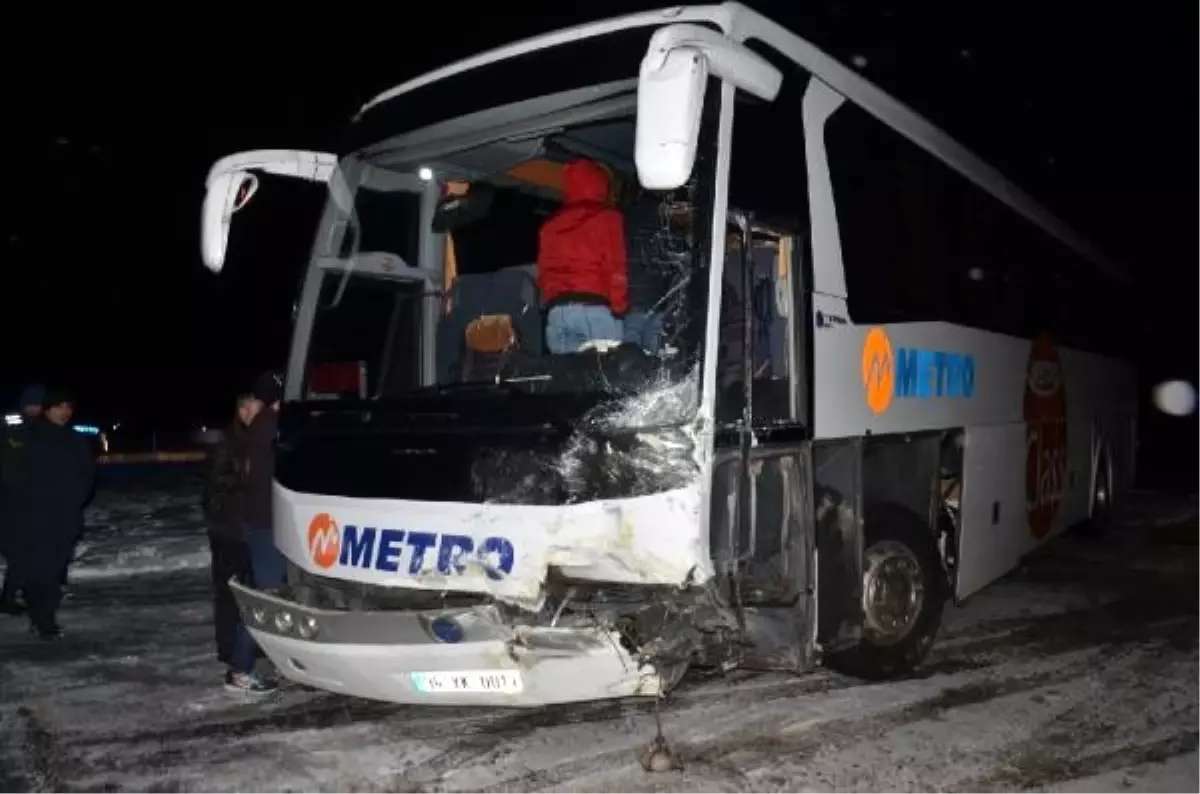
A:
<point x="112" y="120"/>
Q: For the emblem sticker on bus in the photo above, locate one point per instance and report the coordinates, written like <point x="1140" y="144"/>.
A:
<point x="890" y="373"/>
<point x="407" y="551"/>
<point x="1045" y="409"/>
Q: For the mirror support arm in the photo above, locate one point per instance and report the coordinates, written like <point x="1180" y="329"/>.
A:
<point x="727" y="59"/>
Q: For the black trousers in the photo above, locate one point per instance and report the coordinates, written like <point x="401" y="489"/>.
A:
<point x="8" y="591"/>
<point x="230" y="557"/>
<point x="39" y="577"/>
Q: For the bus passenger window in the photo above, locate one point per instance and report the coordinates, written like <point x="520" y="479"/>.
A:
<point x="771" y="340"/>
<point x="731" y="343"/>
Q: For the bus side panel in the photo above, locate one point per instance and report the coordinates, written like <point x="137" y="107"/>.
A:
<point x="914" y="377"/>
<point x="1037" y="410"/>
<point x="992" y="535"/>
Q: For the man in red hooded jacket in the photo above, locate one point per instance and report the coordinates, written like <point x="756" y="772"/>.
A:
<point x="581" y="263"/>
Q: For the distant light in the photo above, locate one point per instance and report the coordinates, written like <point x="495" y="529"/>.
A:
<point x="859" y="61"/>
<point x="12" y="420"/>
<point x="87" y="430"/>
<point x="1175" y="397"/>
<point x="425" y="174"/>
<point x="975" y="274"/>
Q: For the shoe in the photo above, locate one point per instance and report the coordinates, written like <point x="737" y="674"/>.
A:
<point x="250" y="683"/>
<point x="267" y="671"/>
<point x="48" y="635"/>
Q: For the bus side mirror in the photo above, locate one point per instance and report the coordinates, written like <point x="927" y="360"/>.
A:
<point x="227" y="193"/>
<point x="671" y="87"/>
<point x="670" y="101"/>
<point x="231" y="184"/>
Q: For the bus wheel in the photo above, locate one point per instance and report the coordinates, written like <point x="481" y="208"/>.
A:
<point x="1095" y="524"/>
<point x="903" y="592"/>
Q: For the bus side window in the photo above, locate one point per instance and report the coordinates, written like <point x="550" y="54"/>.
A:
<point x="768" y="178"/>
<point x="922" y="243"/>
<point x="773" y="337"/>
<point x="731" y="343"/>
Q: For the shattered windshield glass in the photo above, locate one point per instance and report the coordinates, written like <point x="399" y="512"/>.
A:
<point x="556" y="273"/>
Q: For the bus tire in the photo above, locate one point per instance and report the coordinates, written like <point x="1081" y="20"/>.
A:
<point x="1100" y="516"/>
<point x="904" y="591"/>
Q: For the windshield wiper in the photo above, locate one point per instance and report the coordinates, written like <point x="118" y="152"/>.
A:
<point x="505" y="386"/>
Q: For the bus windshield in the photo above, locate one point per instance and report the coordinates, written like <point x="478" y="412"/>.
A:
<point x="519" y="284"/>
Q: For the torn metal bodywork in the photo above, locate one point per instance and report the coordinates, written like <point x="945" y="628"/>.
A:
<point x="391" y="656"/>
<point x="598" y="534"/>
<point x="588" y="548"/>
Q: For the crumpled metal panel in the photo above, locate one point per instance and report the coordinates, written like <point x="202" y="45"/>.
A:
<point x="648" y="532"/>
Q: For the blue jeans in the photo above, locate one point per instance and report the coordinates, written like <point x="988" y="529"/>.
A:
<point x="644" y="329"/>
<point x="269" y="568"/>
<point x="571" y="325"/>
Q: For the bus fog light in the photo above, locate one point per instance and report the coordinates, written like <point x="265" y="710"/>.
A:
<point x="307" y="627"/>
<point x="284" y="622"/>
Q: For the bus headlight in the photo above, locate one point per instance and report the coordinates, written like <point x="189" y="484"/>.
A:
<point x="284" y="622"/>
<point x="307" y="627"/>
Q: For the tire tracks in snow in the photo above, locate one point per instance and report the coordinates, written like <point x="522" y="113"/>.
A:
<point x="1033" y="639"/>
<point x="482" y="738"/>
<point x="44" y="763"/>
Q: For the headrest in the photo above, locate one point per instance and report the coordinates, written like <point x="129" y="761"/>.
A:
<point x="491" y="333"/>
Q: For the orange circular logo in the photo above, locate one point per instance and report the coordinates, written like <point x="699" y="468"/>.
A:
<point x="878" y="370"/>
<point x="324" y="540"/>
<point x="1045" y="409"/>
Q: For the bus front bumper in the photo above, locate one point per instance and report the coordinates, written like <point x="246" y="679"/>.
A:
<point x="463" y="656"/>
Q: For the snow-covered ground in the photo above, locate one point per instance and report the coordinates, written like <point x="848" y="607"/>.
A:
<point x="1076" y="673"/>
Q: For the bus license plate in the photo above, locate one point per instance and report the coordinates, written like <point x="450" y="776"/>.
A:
<point x="469" y="681"/>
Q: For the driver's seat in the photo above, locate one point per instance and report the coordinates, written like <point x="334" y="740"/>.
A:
<point x="475" y="297"/>
<point x="489" y="341"/>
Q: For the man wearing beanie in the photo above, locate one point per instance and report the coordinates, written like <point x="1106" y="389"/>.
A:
<point x="30" y="405"/>
<point x="53" y="469"/>
<point x="268" y="566"/>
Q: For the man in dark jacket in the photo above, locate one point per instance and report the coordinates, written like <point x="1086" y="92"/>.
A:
<point x="223" y="495"/>
<point x="30" y="404"/>
<point x="268" y="565"/>
<point x="48" y="479"/>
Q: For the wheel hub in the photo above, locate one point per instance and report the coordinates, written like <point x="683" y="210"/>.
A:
<point x="893" y="592"/>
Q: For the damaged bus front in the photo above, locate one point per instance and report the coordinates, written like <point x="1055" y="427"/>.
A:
<point x="472" y="513"/>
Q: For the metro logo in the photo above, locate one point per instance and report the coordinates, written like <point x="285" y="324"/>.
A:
<point x="409" y="551"/>
<point x="878" y="370"/>
<point x="889" y="373"/>
<point x="324" y="540"/>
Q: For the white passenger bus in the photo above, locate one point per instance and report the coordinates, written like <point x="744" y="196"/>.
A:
<point x="881" y="379"/>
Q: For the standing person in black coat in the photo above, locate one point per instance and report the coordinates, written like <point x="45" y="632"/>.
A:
<point x="268" y="565"/>
<point x="223" y="496"/>
<point x="30" y="403"/>
<point x="48" y="472"/>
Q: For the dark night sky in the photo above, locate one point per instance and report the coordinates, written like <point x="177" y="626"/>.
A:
<point x="111" y="127"/>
